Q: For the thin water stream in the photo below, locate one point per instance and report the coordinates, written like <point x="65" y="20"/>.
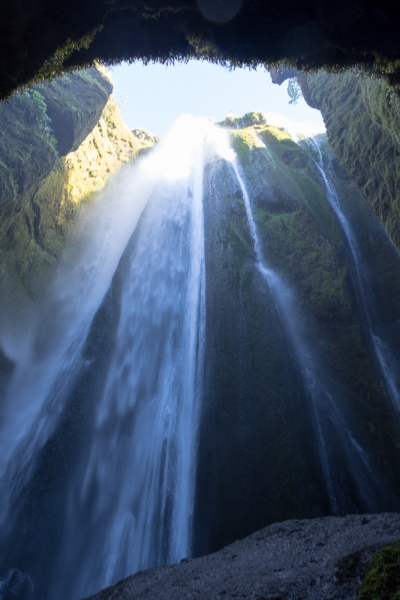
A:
<point x="385" y="359"/>
<point x="323" y="407"/>
<point x="99" y="425"/>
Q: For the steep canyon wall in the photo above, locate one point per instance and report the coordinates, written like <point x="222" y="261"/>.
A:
<point x="362" y="117"/>
<point x="60" y="143"/>
<point x="258" y="460"/>
<point x="257" y="423"/>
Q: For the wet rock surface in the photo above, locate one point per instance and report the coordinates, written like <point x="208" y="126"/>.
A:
<point x="322" y="559"/>
<point x="362" y="122"/>
<point x="74" y="104"/>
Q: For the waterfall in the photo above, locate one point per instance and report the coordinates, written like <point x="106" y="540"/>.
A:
<point x="383" y="355"/>
<point x="169" y="378"/>
<point x="127" y="499"/>
<point x="144" y="477"/>
<point x="323" y="407"/>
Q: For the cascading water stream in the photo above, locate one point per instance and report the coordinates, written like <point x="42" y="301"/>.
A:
<point x="99" y="428"/>
<point x="322" y="404"/>
<point x="128" y="501"/>
<point x="384" y="356"/>
<point x="284" y="303"/>
<point x="48" y="362"/>
<point x="153" y="381"/>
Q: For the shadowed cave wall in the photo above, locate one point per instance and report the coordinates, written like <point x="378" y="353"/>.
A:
<point x="40" y="38"/>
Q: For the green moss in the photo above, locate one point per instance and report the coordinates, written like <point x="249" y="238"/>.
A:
<point x="8" y="185"/>
<point x="272" y="134"/>
<point x="362" y="117"/>
<point x="74" y="103"/>
<point x="250" y="119"/>
<point x="297" y="249"/>
<point x="21" y="255"/>
<point x="291" y="167"/>
<point x="243" y="142"/>
<point x="41" y="194"/>
<point x="301" y="240"/>
<point x="298" y="227"/>
<point x="382" y="579"/>
<point x="27" y="146"/>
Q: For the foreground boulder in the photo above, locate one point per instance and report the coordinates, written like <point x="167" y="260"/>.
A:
<point x="318" y="559"/>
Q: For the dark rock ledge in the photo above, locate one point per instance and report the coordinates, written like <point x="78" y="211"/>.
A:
<point x="316" y="559"/>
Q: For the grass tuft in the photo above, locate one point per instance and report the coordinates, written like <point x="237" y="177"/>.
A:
<point x="382" y="580"/>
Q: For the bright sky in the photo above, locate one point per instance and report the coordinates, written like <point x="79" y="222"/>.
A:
<point x="152" y="97"/>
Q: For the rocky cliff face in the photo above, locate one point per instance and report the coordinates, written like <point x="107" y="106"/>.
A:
<point x="27" y="150"/>
<point x="74" y="103"/>
<point x="59" y="145"/>
<point x="255" y="403"/>
<point x="362" y="118"/>
<point x="39" y="125"/>
<point x="270" y="448"/>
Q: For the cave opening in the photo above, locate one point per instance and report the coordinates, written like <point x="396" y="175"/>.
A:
<point x="199" y="324"/>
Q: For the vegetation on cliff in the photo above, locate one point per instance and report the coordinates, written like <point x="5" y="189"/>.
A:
<point x="27" y="151"/>
<point x="303" y="242"/>
<point x="74" y="103"/>
<point x="39" y="125"/>
<point x="382" y="579"/>
<point x="362" y="118"/>
<point x="42" y="191"/>
<point x="255" y="395"/>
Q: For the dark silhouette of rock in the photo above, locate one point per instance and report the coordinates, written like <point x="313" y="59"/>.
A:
<point x="16" y="586"/>
<point x="50" y="36"/>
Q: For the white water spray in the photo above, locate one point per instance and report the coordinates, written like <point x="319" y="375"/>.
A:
<point x="127" y="499"/>
<point x="130" y="500"/>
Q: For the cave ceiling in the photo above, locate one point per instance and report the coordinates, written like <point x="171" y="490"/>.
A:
<point x="41" y="38"/>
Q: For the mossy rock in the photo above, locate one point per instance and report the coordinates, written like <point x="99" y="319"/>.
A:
<point x="27" y="147"/>
<point x="255" y="118"/>
<point x="302" y="241"/>
<point x="382" y="579"/>
<point x="74" y="104"/>
<point x="362" y="118"/>
<point x="8" y="186"/>
<point x="35" y="225"/>
<point x="295" y="159"/>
